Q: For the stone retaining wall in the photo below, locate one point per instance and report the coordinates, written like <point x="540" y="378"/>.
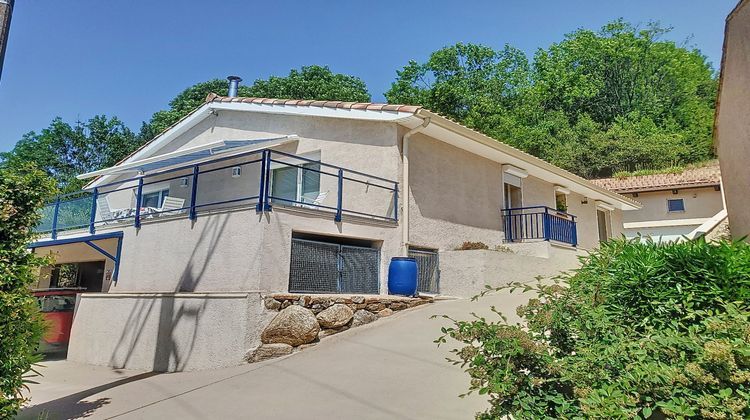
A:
<point x="302" y="320"/>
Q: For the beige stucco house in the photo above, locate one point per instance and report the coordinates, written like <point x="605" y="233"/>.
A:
<point x="680" y="204"/>
<point x="248" y="196"/>
<point x="732" y="125"/>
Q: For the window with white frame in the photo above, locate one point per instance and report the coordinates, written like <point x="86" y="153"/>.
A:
<point x="602" y="224"/>
<point x="154" y="198"/>
<point x="296" y="184"/>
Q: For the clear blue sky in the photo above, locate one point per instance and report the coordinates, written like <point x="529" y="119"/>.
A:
<point x="75" y="59"/>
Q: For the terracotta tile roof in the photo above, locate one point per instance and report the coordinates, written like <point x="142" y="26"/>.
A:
<point x="322" y="104"/>
<point x="703" y="176"/>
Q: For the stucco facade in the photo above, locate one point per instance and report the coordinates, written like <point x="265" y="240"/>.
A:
<point x="655" y="219"/>
<point x="732" y="126"/>
<point x="181" y="281"/>
<point x="675" y="204"/>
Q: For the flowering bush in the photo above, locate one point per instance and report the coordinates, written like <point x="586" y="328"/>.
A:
<point x="22" y="193"/>
<point x="642" y="330"/>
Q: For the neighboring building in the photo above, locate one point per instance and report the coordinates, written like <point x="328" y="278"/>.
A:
<point x="298" y="196"/>
<point x="675" y="205"/>
<point x="6" y="12"/>
<point x="732" y="125"/>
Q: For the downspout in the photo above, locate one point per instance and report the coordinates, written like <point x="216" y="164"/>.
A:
<point x="405" y="183"/>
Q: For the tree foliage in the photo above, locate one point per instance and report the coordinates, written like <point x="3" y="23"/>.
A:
<point x="596" y="103"/>
<point x="310" y="82"/>
<point x="642" y="330"/>
<point x="64" y="151"/>
<point x="22" y="192"/>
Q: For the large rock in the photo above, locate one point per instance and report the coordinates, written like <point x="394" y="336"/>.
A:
<point x="294" y="325"/>
<point x="336" y="316"/>
<point x="398" y="306"/>
<point x="375" y="306"/>
<point x="272" y="303"/>
<point x="269" y="351"/>
<point x="385" y="312"/>
<point x="362" y="317"/>
<point x="325" y="332"/>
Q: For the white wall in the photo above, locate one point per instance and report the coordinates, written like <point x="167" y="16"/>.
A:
<point x="456" y="196"/>
<point x="700" y="203"/>
<point x="171" y="332"/>
<point x="465" y="273"/>
<point x="732" y="133"/>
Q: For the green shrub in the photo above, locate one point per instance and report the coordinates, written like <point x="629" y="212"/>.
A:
<point x="642" y="330"/>
<point x="469" y="246"/>
<point x="22" y="193"/>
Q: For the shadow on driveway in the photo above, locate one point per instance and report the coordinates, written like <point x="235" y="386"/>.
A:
<point x="73" y="407"/>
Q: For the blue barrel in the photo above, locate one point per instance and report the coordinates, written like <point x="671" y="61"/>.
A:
<point x="402" y="276"/>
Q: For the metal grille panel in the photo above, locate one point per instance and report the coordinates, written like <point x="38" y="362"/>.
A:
<point x="359" y="270"/>
<point x="314" y="267"/>
<point x="428" y="270"/>
<point x="321" y="267"/>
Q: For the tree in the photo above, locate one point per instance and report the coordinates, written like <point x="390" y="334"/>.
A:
<point x="311" y="82"/>
<point x="182" y="104"/>
<point x="469" y="83"/>
<point x="64" y="151"/>
<point x="622" y="72"/>
<point x="595" y="103"/>
<point x="22" y="193"/>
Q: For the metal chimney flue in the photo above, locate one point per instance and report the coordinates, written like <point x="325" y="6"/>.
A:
<point x="234" y="84"/>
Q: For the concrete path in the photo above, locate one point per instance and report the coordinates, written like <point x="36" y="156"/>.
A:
<point x="388" y="369"/>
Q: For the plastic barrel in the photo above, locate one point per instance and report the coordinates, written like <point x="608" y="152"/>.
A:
<point x="402" y="276"/>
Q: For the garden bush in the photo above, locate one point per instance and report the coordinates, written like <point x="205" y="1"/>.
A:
<point x="641" y="330"/>
<point x="22" y="193"/>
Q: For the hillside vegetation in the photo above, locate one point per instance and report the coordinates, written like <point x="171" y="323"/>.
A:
<point x="596" y="103"/>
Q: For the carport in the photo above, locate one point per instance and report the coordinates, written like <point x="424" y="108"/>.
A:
<point x="85" y="249"/>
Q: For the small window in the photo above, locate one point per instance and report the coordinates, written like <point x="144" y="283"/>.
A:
<point x="154" y="199"/>
<point x="561" y="201"/>
<point x="675" y="205"/>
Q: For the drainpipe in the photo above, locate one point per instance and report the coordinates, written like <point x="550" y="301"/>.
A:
<point x="405" y="186"/>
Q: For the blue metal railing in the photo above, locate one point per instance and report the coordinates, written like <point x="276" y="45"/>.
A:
<point x="539" y="222"/>
<point x="91" y="208"/>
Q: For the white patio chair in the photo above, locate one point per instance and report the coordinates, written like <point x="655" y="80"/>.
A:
<point x="105" y="211"/>
<point x="172" y="205"/>
<point x="316" y="202"/>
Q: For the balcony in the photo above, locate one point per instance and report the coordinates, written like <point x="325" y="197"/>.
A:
<point x="259" y="180"/>
<point x="539" y="223"/>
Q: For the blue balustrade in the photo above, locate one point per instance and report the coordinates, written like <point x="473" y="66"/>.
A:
<point x="539" y="222"/>
<point x="92" y="209"/>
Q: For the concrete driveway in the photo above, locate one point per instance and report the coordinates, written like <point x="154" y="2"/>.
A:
<point x="387" y="369"/>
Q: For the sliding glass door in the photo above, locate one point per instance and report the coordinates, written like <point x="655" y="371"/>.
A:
<point x="291" y="184"/>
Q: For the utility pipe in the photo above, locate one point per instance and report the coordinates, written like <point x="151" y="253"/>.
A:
<point x="405" y="184"/>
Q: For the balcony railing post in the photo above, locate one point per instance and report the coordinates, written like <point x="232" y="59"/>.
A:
<point x="267" y="182"/>
<point x="395" y="201"/>
<point x="138" y="194"/>
<point x="193" y="194"/>
<point x="92" y="219"/>
<point x="261" y="187"/>
<point x="506" y="219"/>
<point x="547" y="224"/>
<point x="340" y="200"/>
<point x="54" y="217"/>
<point x="575" y="232"/>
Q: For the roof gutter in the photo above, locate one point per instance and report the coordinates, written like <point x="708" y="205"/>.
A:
<point x="405" y="183"/>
